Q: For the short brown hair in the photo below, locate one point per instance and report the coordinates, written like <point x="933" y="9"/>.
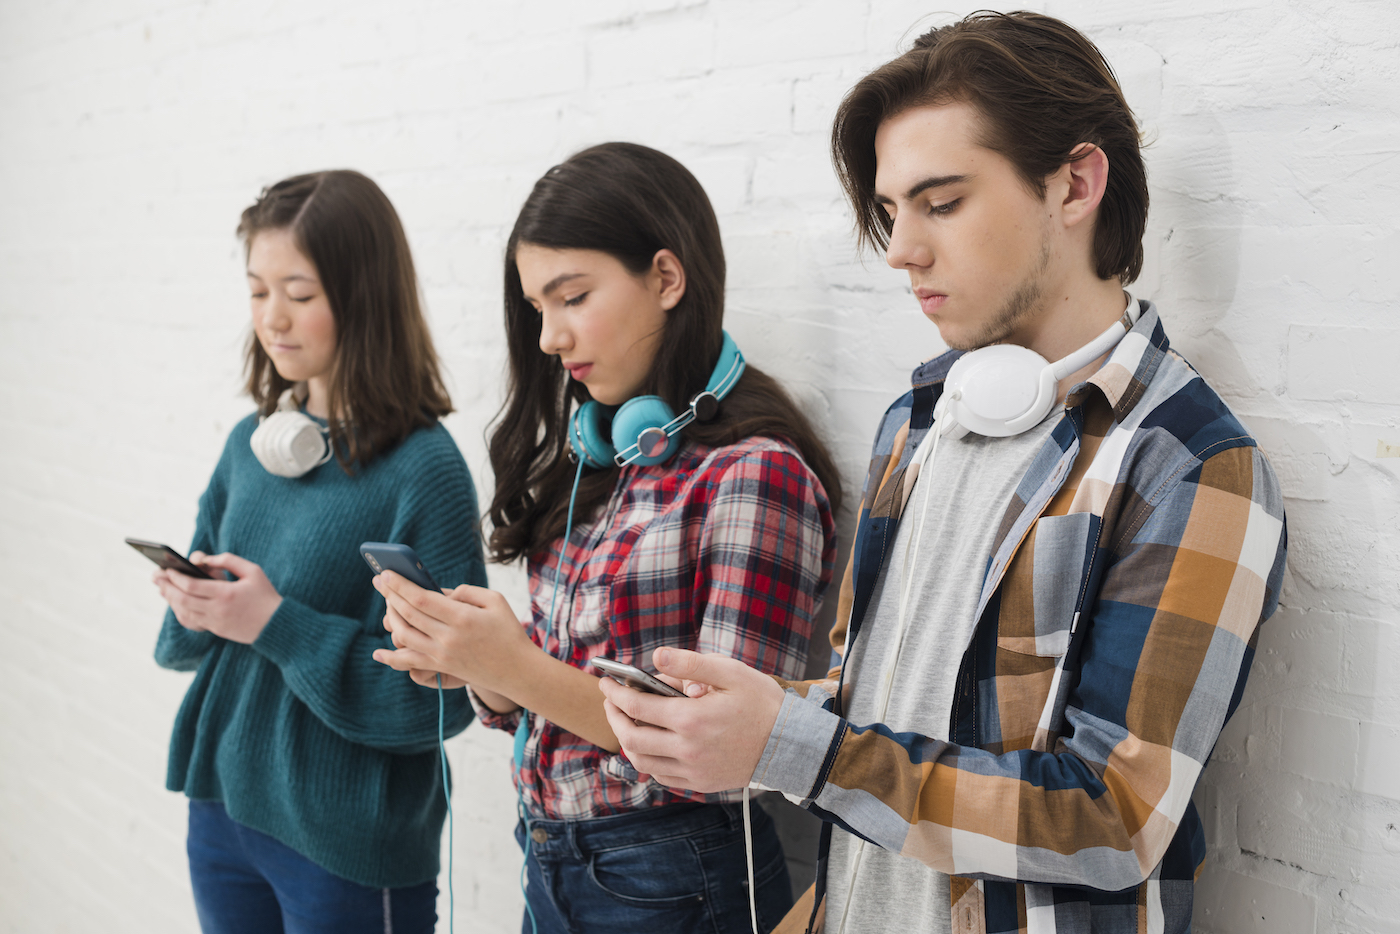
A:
<point x="385" y="381"/>
<point x="1040" y="87"/>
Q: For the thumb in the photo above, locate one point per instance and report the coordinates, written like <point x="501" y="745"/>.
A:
<point x="241" y="567"/>
<point x="472" y="596"/>
<point x="719" y="671"/>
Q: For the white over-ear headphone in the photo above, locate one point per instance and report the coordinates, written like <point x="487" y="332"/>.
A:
<point x="1004" y="389"/>
<point x="288" y="442"/>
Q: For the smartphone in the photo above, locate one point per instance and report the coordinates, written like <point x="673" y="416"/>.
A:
<point x="631" y="677"/>
<point x="169" y="558"/>
<point x="401" y="559"/>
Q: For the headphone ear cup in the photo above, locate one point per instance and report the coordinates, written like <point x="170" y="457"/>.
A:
<point x="587" y="438"/>
<point x="992" y="386"/>
<point x="645" y="414"/>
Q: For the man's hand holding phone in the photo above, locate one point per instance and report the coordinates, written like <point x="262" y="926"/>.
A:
<point x="710" y="743"/>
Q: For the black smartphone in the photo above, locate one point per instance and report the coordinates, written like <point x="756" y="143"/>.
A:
<point x="628" y="676"/>
<point x="401" y="559"/>
<point x="169" y="558"/>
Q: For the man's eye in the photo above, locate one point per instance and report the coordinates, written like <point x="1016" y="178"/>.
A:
<point x="945" y="208"/>
<point x="576" y="300"/>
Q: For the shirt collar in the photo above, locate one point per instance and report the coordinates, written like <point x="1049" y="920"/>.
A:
<point x="1121" y="379"/>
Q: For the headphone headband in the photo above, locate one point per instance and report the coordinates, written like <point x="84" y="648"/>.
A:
<point x="1004" y="389"/>
<point x="645" y="428"/>
<point x="653" y="443"/>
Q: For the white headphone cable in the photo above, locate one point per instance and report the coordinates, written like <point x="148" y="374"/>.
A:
<point x="748" y="853"/>
<point x="922" y="457"/>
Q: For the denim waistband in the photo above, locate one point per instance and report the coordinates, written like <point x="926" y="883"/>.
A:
<point x="572" y="839"/>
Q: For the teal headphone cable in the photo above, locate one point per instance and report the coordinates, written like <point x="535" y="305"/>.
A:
<point x="522" y="731"/>
<point x="447" y="795"/>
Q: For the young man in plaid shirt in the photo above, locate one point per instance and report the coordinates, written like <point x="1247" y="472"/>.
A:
<point x="1044" y="627"/>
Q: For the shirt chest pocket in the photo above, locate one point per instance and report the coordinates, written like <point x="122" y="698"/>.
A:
<point x="1043" y="584"/>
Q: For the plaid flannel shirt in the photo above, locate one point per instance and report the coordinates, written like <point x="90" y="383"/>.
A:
<point x="725" y="550"/>
<point x="1116" y="627"/>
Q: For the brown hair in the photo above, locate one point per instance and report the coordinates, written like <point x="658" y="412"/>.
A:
<point x="1041" y="89"/>
<point x="385" y="381"/>
<point x="628" y="201"/>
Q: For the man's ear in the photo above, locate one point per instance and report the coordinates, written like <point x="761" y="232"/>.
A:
<point x="1088" y="178"/>
<point x="668" y="278"/>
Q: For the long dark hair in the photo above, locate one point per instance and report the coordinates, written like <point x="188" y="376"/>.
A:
<point x="628" y="201"/>
<point x="385" y="381"/>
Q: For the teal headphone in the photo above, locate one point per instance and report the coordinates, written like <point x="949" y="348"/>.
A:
<point x="644" y="430"/>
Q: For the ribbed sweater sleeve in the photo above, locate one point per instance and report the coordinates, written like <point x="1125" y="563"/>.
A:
<point x="179" y="648"/>
<point x="326" y="662"/>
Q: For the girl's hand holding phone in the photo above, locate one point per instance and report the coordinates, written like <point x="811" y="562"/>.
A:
<point x="236" y="610"/>
<point x="470" y="634"/>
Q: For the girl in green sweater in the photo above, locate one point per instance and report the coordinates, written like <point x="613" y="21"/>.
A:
<point x="316" y="798"/>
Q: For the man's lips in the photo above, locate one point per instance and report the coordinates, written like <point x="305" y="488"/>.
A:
<point x="579" y="370"/>
<point x="930" y="300"/>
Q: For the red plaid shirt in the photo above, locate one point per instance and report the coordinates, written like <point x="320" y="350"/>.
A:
<point x="720" y="550"/>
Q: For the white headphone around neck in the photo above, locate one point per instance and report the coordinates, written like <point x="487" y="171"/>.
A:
<point x="1004" y="389"/>
<point x="289" y="442"/>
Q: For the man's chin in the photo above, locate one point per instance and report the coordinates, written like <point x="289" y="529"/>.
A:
<point x="960" y="340"/>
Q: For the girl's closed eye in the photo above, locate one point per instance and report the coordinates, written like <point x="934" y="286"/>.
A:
<point x="948" y="207"/>
<point x="576" y="300"/>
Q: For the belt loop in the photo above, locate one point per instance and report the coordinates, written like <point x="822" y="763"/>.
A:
<point x="573" y="831"/>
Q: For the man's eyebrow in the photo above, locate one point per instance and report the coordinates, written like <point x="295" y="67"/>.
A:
<point x="559" y="280"/>
<point x="933" y="181"/>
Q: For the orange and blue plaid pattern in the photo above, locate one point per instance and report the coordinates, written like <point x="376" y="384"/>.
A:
<point x="1117" y="621"/>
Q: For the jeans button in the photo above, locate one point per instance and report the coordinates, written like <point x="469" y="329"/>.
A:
<point x="539" y="835"/>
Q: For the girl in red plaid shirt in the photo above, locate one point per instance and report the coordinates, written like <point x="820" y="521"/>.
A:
<point x="614" y="289"/>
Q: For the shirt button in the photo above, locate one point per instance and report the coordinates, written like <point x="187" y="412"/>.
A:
<point x="539" y="835"/>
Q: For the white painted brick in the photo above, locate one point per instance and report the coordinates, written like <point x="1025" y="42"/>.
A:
<point x="677" y="48"/>
<point x="135" y="131"/>
<point x="1344" y="363"/>
<point x="1230" y="903"/>
<point x="1378" y="766"/>
<point x="788" y="30"/>
<point x="1319" y="747"/>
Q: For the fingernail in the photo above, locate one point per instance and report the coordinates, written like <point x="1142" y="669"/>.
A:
<point x="661" y="657"/>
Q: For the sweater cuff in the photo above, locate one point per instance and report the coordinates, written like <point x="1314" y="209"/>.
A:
<point x="293" y="631"/>
<point x="795" y="760"/>
<point x="489" y="718"/>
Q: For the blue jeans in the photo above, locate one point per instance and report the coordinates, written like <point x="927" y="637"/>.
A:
<point x="674" y="869"/>
<point x="245" y="882"/>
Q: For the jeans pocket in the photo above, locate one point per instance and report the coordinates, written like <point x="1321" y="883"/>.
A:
<point x="660" y="874"/>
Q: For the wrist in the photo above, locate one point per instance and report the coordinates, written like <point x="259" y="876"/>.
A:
<point x="512" y="672"/>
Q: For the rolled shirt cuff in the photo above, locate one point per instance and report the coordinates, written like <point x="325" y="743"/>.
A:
<point x="489" y="718"/>
<point x="799" y="749"/>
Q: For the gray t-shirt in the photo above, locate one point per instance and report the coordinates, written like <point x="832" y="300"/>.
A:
<point x="964" y="491"/>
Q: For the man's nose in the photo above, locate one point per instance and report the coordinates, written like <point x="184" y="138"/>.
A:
<point x="907" y="249"/>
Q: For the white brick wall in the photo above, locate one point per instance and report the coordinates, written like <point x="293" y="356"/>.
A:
<point x="132" y="132"/>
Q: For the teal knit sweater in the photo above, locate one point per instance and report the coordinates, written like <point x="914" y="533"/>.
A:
<point x="302" y="735"/>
